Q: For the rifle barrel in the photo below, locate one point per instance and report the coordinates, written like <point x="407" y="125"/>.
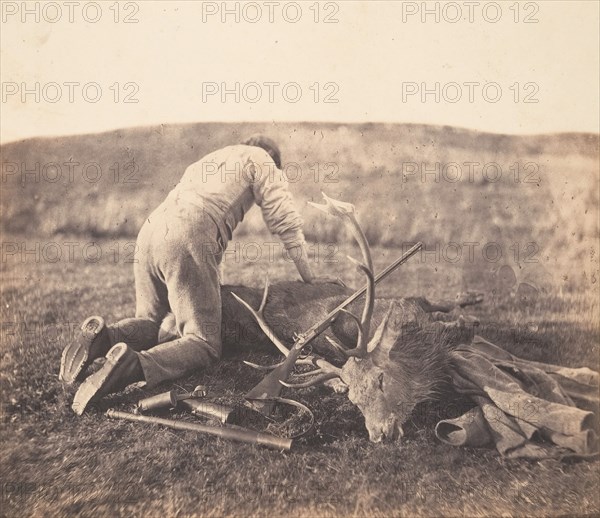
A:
<point x="323" y="324"/>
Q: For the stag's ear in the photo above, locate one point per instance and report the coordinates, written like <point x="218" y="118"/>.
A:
<point x="378" y="334"/>
<point x="386" y="334"/>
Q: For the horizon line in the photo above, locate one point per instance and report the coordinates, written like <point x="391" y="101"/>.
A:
<point x="331" y="122"/>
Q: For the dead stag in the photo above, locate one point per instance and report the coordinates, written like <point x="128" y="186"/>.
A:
<point x="401" y="365"/>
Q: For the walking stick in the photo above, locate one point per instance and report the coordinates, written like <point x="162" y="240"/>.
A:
<point x="233" y="434"/>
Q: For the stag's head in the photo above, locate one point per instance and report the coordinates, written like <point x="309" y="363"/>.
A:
<point x="402" y="367"/>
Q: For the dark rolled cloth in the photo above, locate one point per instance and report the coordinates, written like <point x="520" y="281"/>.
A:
<point x="522" y="408"/>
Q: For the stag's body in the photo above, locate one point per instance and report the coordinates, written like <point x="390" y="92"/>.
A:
<point x="292" y="307"/>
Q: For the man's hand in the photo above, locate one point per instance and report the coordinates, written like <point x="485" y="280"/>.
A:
<point x="326" y="279"/>
<point x="300" y="256"/>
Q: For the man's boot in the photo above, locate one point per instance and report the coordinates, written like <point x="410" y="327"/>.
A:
<point x="122" y="368"/>
<point x="93" y="342"/>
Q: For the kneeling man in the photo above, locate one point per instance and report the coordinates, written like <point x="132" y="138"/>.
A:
<point x="179" y="249"/>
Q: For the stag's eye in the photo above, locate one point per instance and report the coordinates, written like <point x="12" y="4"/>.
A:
<point x="380" y="379"/>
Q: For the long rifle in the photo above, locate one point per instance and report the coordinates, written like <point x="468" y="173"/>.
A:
<point x="260" y="396"/>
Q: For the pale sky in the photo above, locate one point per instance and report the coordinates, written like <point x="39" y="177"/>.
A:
<point x="366" y="61"/>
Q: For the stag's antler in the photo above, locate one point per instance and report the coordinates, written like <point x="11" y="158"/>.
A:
<point x="347" y="211"/>
<point x="258" y="316"/>
<point x="324" y="371"/>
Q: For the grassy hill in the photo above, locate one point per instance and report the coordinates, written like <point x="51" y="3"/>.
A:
<point x="534" y="197"/>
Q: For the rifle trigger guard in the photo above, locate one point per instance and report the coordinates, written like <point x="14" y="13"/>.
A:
<point x="306" y="354"/>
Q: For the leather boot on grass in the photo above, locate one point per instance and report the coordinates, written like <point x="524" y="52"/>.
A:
<point x="122" y="368"/>
<point x="91" y="343"/>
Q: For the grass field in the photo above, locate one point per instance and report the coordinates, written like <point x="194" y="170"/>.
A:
<point x="53" y="463"/>
<point x="56" y="464"/>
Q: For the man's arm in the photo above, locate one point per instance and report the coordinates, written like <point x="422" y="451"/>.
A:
<point x="281" y="217"/>
<point x="299" y="255"/>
